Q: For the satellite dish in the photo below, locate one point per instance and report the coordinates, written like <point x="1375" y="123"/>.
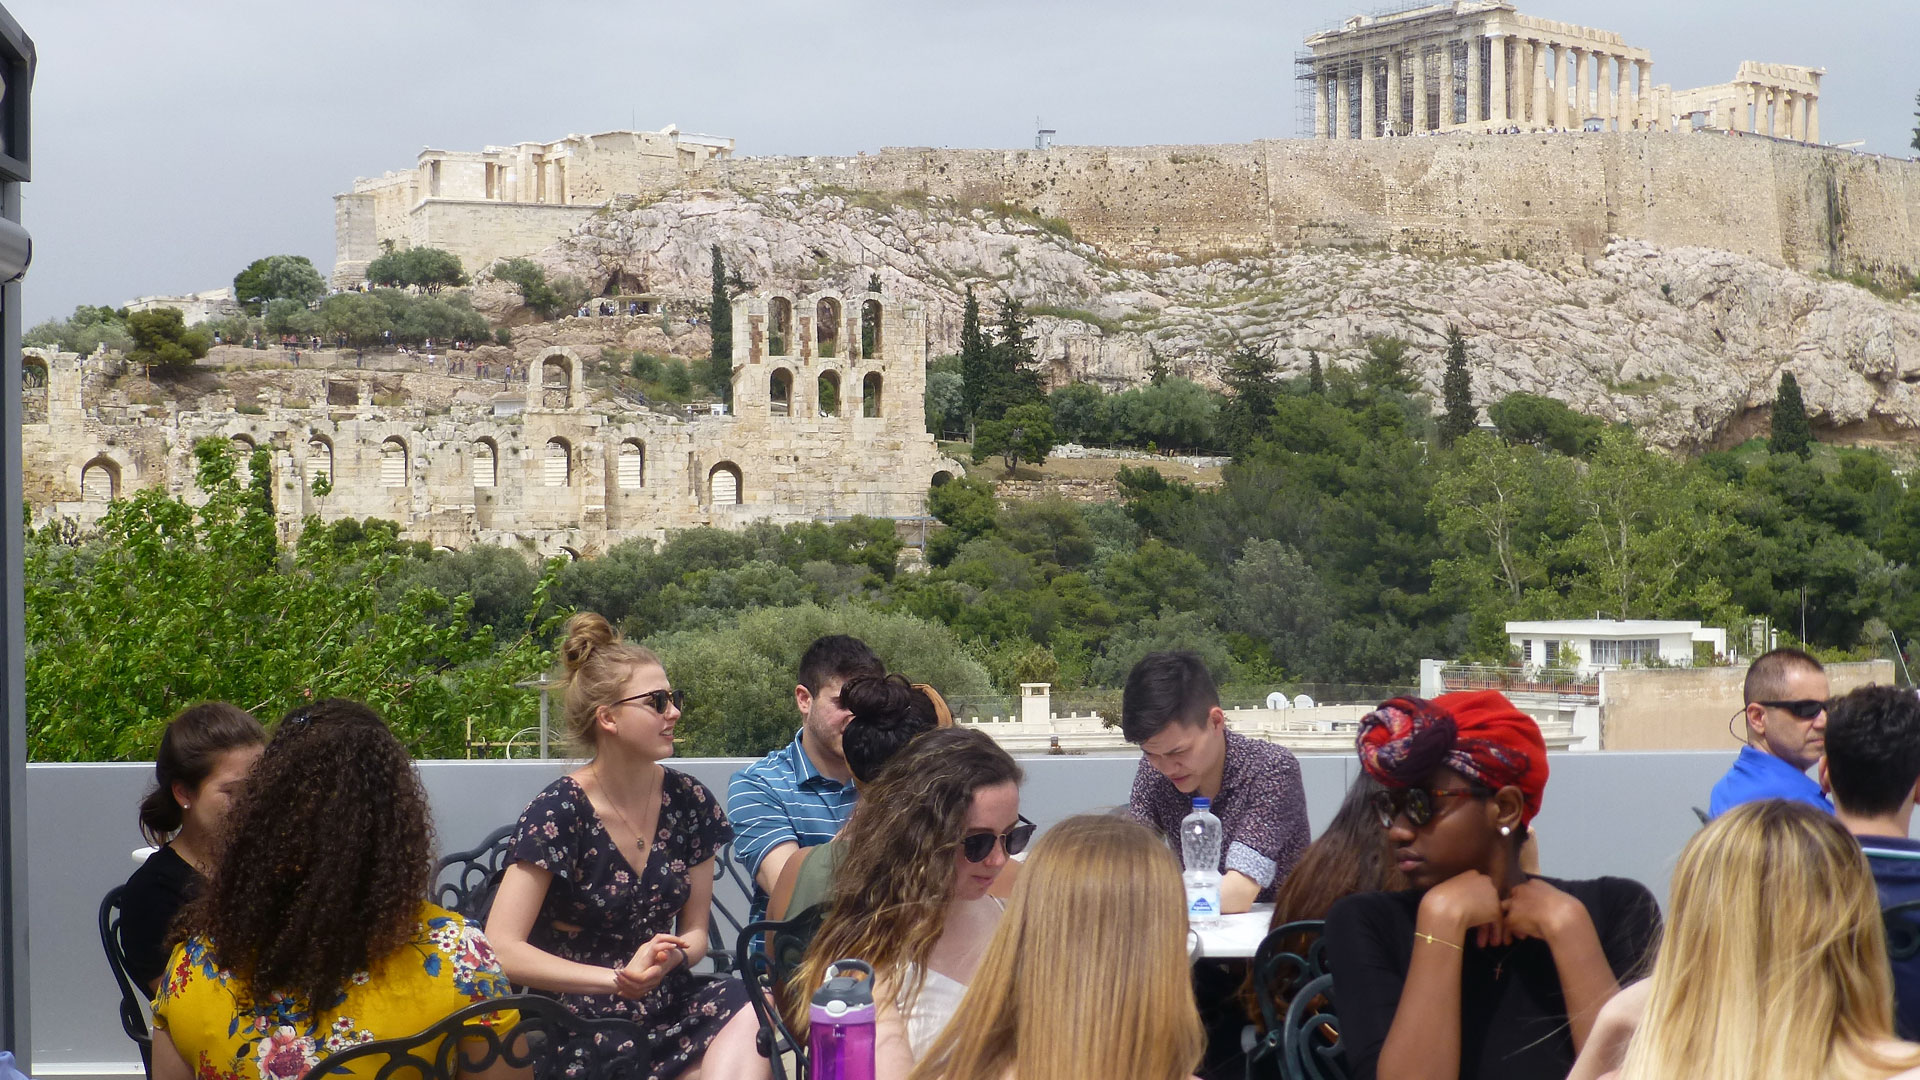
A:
<point x="1276" y="700"/>
<point x="1303" y="702"/>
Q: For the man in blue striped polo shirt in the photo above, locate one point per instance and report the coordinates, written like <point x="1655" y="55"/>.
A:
<point x="800" y="795"/>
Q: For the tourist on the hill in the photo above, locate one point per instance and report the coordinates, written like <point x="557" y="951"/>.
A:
<point x="1872" y="763"/>
<point x="313" y="934"/>
<point x="800" y="795"/>
<point x="1171" y="710"/>
<point x="1772" y="963"/>
<point x="609" y="882"/>
<point x="1086" y="977"/>
<point x="1478" y="970"/>
<point x="1786" y="723"/>
<point x="928" y="840"/>
<point x="203" y="760"/>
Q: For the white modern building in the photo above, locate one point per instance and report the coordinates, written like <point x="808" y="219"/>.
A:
<point x="1609" y="644"/>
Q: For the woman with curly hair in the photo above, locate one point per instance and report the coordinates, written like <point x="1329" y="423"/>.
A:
<point x="313" y="933"/>
<point x="609" y="880"/>
<point x="927" y="839"/>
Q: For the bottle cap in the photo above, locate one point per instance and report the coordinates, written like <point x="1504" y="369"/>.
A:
<point x="1201" y="802"/>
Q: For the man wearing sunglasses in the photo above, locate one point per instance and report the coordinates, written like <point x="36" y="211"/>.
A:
<point x="1786" y="717"/>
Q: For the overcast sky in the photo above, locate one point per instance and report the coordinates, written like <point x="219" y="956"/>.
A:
<point x="175" y="142"/>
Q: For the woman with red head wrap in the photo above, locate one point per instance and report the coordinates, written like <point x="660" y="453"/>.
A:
<point x="1478" y="970"/>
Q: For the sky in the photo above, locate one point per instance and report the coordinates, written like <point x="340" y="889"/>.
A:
<point x="173" y="143"/>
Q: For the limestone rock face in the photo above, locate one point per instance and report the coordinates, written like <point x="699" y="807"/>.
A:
<point x="1686" y="344"/>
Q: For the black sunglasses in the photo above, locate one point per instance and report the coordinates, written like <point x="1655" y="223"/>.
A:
<point x="657" y="699"/>
<point x="977" y="846"/>
<point x="1804" y="708"/>
<point x="1418" y="803"/>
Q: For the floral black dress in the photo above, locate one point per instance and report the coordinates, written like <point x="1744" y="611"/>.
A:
<point x="595" y="889"/>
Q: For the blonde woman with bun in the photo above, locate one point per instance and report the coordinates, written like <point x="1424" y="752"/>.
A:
<point x="1773" y="965"/>
<point x="609" y="879"/>
<point x="1086" y="977"/>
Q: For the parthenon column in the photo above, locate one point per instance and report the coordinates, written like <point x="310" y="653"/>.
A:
<point x="1342" y="99"/>
<point x="1367" y="129"/>
<point x="1538" y="111"/>
<point x="1578" y="115"/>
<point x="1813" y="119"/>
<point x="1396" y="63"/>
<point x="1473" y="81"/>
<point x="1769" y="98"/>
<point x="1568" y="94"/>
<point x="1449" y="84"/>
<point x="1643" y="101"/>
<point x="1622" y="70"/>
<point x="1497" y="114"/>
<point x="1319" y="103"/>
<point x="1419" y="75"/>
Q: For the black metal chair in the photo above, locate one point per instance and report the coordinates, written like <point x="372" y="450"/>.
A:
<point x="1280" y="969"/>
<point x="1312" y="1046"/>
<point x="723" y="926"/>
<point x="545" y="1039"/>
<point x="766" y="972"/>
<point x="136" y="1016"/>
<point x="1702" y="815"/>
<point x="465" y="881"/>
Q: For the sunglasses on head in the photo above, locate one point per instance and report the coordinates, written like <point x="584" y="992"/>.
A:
<point x="1418" y="804"/>
<point x="977" y="846"/>
<point x="1804" y="708"/>
<point x="657" y="699"/>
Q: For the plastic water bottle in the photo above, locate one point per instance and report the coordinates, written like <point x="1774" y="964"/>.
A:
<point x="840" y="1024"/>
<point x="1200" y="855"/>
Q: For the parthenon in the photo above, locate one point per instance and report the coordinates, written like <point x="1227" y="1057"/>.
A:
<point x="1480" y="65"/>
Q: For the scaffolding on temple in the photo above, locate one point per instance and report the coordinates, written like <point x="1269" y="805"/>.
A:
<point x="1308" y="115"/>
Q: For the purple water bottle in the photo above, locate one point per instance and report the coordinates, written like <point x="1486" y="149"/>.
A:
<point x="840" y="1024"/>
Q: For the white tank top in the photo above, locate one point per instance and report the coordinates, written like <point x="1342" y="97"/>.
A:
<point x="927" y="1014"/>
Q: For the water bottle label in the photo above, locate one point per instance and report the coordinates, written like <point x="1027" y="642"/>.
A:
<point x="1202" y="903"/>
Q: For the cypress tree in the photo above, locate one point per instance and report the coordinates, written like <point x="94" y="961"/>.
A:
<point x="1316" y="379"/>
<point x="976" y="360"/>
<point x="1014" y="381"/>
<point x="1792" y="432"/>
<point x="720" y="317"/>
<point x="1456" y="391"/>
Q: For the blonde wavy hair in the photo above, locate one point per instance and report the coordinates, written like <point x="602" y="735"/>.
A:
<point x="595" y="664"/>
<point x="1087" y="976"/>
<point x="1773" y="962"/>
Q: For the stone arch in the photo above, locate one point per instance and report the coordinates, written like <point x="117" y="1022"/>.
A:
<point x="871" y="333"/>
<point x="556" y="465"/>
<point x="572" y="554"/>
<point x="780" y="392"/>
<point x="100" y="480"/>
<point x="243" y="448"/>
<point x="826" y="327"/>
<point x="828" y="392"/>
<point x="632" y="466"/>
<point x="33" y="389"/>
<point x="941" y="478"/>
<point x="870" y="394"/>
<point x="724" y="485"/>
<point x="33" y="372"/>
<point x="486" y="463"/>
<point x="319" y="459"/>
<point x="557" y="380"/>
<point x="779" y="325"/>
<point x="393" y="462"/>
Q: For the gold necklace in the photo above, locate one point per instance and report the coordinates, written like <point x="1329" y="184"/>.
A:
<point x="639" y="842"/>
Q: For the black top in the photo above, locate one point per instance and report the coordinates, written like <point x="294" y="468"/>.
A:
<point x="1513" y="1016"/>
<point x="155" y="894"/>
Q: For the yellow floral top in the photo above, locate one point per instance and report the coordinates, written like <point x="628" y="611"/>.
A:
<point x="447" y="967"/>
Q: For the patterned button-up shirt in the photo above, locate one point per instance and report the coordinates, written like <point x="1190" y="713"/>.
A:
<point x="1261" y="806"/>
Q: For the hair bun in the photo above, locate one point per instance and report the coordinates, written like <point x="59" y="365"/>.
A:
<point x="585" y="634"/>
<point x="880" y="700"/>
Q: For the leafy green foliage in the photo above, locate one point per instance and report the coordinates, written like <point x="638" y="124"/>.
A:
<point x="1024" y="433"/>
<point x="546" y="298"/>
<point x="1792" y="432"/>
<point x="162" y="341"/>
<point x="88" y="328"/>
<point x="427" y="268"/>
<point x="1385" y="367"/>
<point x="1456" y="392"/>
<point x="1545" y="422"/>
<point x="278" y="277"/>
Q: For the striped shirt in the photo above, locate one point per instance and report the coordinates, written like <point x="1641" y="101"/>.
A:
<point x="779" y="799"/>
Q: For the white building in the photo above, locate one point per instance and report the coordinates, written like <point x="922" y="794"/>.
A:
<point x="1608" y="644"/>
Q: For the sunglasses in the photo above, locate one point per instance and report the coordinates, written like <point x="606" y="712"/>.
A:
<point x="1418" y="803"/>
<point x="657" y="699"/>
<point x="977" y="846"/>
<point x="1804" y="708"/>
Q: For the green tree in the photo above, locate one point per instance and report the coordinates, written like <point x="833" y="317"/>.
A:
<point x="536" y="292"/>
<point x="427" y="268"/>
<point x="87" y="329"/>
<point x="1792" y="433"/>
<point x="1013" y="382"/>
<point x="1080" y="414"/>
<point x="967" y="508"/>
<point x="1175" y="413"/>
<point x="1025" y="433"/>
<point x="1316" y="379"/>
<point x="1456" y="391"/>
<point x="1253" y="377"/>
<point x="720" y="316"/>
<point x="976" y="360"/>
<point x="278" y="277"/>
<point x="945" y="403"/>
<point x="1545" y="422"/>
<point x="1385" y="367"/>
<point x="161" y="340"/>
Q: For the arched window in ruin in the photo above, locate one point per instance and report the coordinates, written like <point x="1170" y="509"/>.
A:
<point x="941" y="478"/>
<point x="826" y="327"/>
<point x="100" y="481"/>
<point x="33" y="390"/>
<point x="572" y="554"/>
<point x="556" y="382"/>
<point x="393" y="462"/>
<point x="559" y="463"/>
<point x="723" y="484"/>
<point x="829" y="393"/>
<point x="319" y="460"/>
<point x="870" y="394"/>
<point x="632" y="470"/>
<point x="486" y="463"/>
<point x="870" y="340"/>
<point x="779" y="325"/>
<point x="243" y="448"/>
<point x="780" y="392"/>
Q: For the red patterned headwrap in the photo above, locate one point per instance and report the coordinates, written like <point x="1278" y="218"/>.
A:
<point x="1479" y="735"/>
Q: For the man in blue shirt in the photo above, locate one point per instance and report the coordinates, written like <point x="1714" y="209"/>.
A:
<point x="1873" y="764"/>
<point x="800" y="795"/>
<point x="1786" y="714"/>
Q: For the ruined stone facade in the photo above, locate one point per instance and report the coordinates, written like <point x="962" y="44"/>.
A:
<point x="543" y="468"/>
<point x="1777" y="100"/>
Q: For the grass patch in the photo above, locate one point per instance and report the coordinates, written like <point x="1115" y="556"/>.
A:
<point x="1896" y="291"/>
<point x="1101" y="323"/>
<point x="248" y="408"/>
<point x="1642" y="386"/>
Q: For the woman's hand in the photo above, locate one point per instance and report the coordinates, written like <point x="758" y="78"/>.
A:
<point x="660" y="955"/>
<point x="1535" y="909"/>
<point x="1466" y="901"/>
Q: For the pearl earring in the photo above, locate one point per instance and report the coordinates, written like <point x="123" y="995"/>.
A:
<point x="1506" y="830"/>
<point x="186" y="806"/>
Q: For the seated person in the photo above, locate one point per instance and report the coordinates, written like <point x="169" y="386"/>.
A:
<point x="1771" y="964"/>
<point x="1786" y="721"/>
<point x="1873" y="767"/>
<point x="1086" y="978"/>
<point x="1479" y="971"/>
<point x="203" y="760"/>
<point x="887" y="713"/>
<point x="609" y="881"/>
<point x="1171" y="710"/>
<point x="801" y="794"/>
<point x="312" y="936"/>
<point x="911" y="899"/>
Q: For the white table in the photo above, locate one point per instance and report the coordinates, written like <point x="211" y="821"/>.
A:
<point x="1229" y="936"/>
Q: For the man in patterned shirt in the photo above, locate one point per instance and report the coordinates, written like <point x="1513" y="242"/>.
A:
<point x="1171" y="710"/>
